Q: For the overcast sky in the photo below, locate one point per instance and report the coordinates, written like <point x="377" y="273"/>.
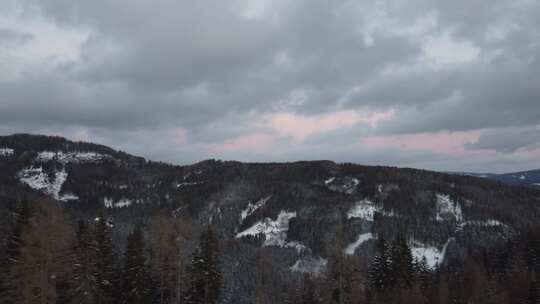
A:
<point x="436" y="84"/>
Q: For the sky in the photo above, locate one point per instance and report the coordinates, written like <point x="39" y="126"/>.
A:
<point x="434" y="84"/>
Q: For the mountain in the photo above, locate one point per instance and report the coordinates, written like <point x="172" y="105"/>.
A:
<point x="530" y="178"/>
<point x="295" y="210"/>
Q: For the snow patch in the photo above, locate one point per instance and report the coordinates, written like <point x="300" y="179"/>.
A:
<point x="329" y="181"/>
<point x="252" y="208"/>
<point x="37" y="179"/>
<point x="309" y="265"/>
<point x="66" y="197"/>
<point x="179" y="185"/>
<point x="345" y="184"/>
<point x="5" y="152"/>
<point x="365" y="209"/>
<point x="361" y="239"/>
<point x="481" y="224"/>
<point x="69" y="157"/>
<point x="274" y="231"/>
<point x="109" y="203"/>
<point x="522" y="177"/>
<point x="446" y="206"/>
<point x="432" y="255"/>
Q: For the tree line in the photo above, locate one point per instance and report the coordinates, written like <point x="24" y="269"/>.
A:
<point x="48" y="260"/>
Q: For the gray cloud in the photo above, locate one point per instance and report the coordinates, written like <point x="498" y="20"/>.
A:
<point x="125" y="72"/>
<point x="507" y="140"/>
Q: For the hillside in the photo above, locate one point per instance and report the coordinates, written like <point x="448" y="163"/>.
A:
<point x="295" y="210"/>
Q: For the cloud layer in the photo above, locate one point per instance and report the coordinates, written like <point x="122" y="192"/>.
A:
<point x="445" y="85"/>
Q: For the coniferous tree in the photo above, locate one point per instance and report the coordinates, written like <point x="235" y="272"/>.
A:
<point x="378" y="271"/>
<point x="84" y="277"/>
<point x="205" y="274"/>
<point x="20" y="222"/>
<point x="135" y="275"/>
<point x="103" y="251"/>
<point x="401" y="264"/>
<point x="45" y="255"/>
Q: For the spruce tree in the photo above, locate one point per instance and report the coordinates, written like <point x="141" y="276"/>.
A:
<point x="205" y="274"/>
<point x="84" y="276"/>
<point x="103" y="251"/>
<point x="20" y="223"/>
<point x="378" y="271"/>
<point x="401" y="265"/>
<point x="135" y="275"/>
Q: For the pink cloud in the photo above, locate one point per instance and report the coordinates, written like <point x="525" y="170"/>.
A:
<point x="178" y="136"/>
<point x="254" y="141"/>
<point x="441" y="142"/>
<point x="300" y="127"/>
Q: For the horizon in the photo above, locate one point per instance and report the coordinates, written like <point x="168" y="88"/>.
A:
<point x="265" y="162"/>
<point x="414" y="84"/>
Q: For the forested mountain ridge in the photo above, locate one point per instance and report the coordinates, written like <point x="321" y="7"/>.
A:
<point x="277" y="220"/>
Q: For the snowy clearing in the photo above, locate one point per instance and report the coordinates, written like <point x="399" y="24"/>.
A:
<point x="361" y="239"/>
<point x="433" y="255"/>
<point x="446" y="207"/>
<point x="274" y="231"/>
<point x="482" y="224"/>
<point x="309" y="265"/>
<point x="124" y="202"/>
<point x="5" y="152"/>
<point x="250" y="208"/>
<point x="36" y="179"/>
<point x="69" y="157"/>
<point x="364" y="209"/>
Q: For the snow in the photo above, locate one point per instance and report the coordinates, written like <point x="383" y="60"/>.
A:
<point x="39" y="180"/>
<point x="68" y="197"/>
<point x="109" y="203"/>
<point x="434" y="256"/>
<point x="446" y="206"/>
<point x="329" y="181"/>
<point x="364" y="209"/>
<point x="69" y="157"/>
<point x="522" y="177"/>
<point x="252" y="208"/>
<point x="487" y="223"/>
<point x="274" y="231"/>
<point x="179" y="185"/>
<point x="536" y="184"/>
<point x="5" y="152"/>
<point x="309" y="265"/>
<point x="123" y="203"/>
<point x="361" y="239"/>
<point x="344" y="184"/>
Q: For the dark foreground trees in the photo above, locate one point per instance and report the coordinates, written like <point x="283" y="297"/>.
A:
<point x="204" y="274"/>
<point x="47" y="260"/>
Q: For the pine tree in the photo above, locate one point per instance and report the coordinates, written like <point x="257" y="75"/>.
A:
<point x="103" y="251"/>
<point x="45" y="255"/>
<point x="135" y="275"/>
<point x="401" y="264"/>
<point x="378" y="271"/>
<point x="20" y="222"/>
<point x="84" y="277"/>
<point x="205" y="275"/>
<point x="167" y="259"/>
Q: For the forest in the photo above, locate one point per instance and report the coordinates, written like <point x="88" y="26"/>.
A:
<point x="52" y="257"/>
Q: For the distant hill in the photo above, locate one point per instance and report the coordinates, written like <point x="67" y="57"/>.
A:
<point x="529" y="178"/>
<point x="293" y="209"/>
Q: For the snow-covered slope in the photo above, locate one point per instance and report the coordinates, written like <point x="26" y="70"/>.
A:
<point x="5" y="152"/>
<point x="68" y="157"/>
<point x="37" y="179"/>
